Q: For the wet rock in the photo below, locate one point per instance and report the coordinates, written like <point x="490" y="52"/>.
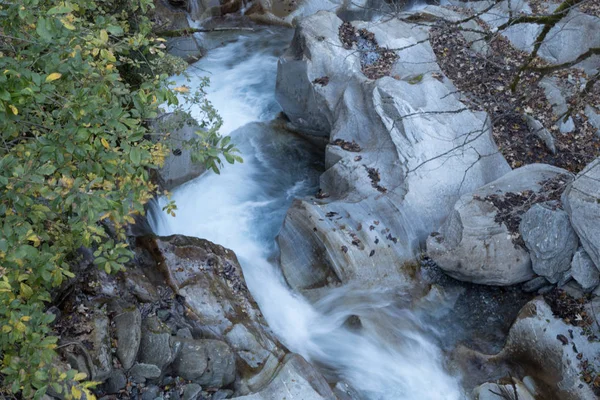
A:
<point x="246" y="346"/>
<point x="297" y="379"/>
<point x="155" y="347"/>
<point x="394" y="179"/>
<point x="532" y="343"/>
<point x="128" y="330"/>
<point x="497" y="391"/>
<point x="178" y="128"/>
<point x="582" y="202"/>
<point x="208" y="280"/>
<point x="479" y="242"/>
<point x="187" y="47"/>
<point x="550" y="239"/>
<point x="584" y="271"/>
<point x="191" y="391"/>
<point x="209" y="363"/>
<point x="115" y="382"/>
<point x="140" y="372"/>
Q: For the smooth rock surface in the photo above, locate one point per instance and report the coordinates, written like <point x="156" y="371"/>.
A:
<point x="584" y="271"/>
<point x="178" y="169"/>
<point x="473" y="247"/>
<point x="296" y="380"/>
<point x="128" y="330"/>
<point x="582" y="202"/>
<point x="411" y="167"/>
<point x="550" y="239"/>
<point x="490" y="391"/>
<point x="532" y="342"/>
<point x="155" y="347"/>
<point x="140" y="372"/>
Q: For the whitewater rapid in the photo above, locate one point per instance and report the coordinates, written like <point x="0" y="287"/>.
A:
<point x="390" y="354"/>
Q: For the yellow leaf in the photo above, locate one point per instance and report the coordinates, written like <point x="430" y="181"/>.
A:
<point x="13" y="109"/>
<point x="6" y="329"/>
<point x="20" y="326"/>
<point x="105" y="143"/>
<point x="75" y="392"/>
<point x="95" y="51"/>
<point x="34" y="238"/>
<point x="26" y="291"/>
<point x="53" y="76"/>
<point x="182" y="89"/>
<point x="25" y="318"/>
<point x="80" y="376"/>
<point x="104" y="36"/>
<point x="67" y="24"/>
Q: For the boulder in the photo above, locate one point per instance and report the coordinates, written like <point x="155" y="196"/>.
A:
<point x="543" y="345"/>
<point x="584" y="271"/>
<point x="551" y="240"/>
<point x="498" y="391"/>
<point x="179" y="129"/>
<point x="209" y="280"/>
<point x="582" y="202"/>
<point x="140" y="372"/>
<point x="479" y="242"/>
<point x="296" y="380"/>
<point x="155" y="346"/>
<point x="187" y="47"/>
<point x="397" y="160"/>
<point x="128" y="330"/>
<point x="207" y="362"/>
<point x="572" y="36"/>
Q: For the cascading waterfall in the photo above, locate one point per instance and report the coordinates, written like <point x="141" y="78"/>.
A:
<point x="391" y="354"/>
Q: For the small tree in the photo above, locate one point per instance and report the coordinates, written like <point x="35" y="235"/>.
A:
<point x="80" y="82"/>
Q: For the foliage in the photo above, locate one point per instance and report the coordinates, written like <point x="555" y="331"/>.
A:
<point x="80" y="83"/>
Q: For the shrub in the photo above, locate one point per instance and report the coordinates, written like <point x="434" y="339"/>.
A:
<point x="80" y="82"/>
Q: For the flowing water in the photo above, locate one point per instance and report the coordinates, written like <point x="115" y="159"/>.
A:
<point x="391" y="353"/>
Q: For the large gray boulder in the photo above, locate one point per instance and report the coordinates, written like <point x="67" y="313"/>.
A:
<point x="582" y="202"/>
<point x="178" y="129"/>
<point x="209" y="279"/>
<point x="550" y="239"/>
<point x="572" y="36"/>
<point x="479" y="242"/>
<point x="542" y="343"/>
<point x="416" y="149"/>
<point x="296" y="380"/>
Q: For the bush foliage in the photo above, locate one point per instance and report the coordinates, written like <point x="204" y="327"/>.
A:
<point x="80" y="83"/>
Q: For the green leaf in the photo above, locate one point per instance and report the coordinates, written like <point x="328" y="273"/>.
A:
<point x="62" y="9"/>
<point x="135" y="155"/>
<point x="115" y="30"/>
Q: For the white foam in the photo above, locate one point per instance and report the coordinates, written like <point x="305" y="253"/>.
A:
<point x="390" y="357"/>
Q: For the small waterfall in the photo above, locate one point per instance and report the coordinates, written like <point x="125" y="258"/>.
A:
<point x="369" y="339"/>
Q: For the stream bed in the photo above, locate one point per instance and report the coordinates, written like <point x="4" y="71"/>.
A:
<point x="372" y="343"/>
